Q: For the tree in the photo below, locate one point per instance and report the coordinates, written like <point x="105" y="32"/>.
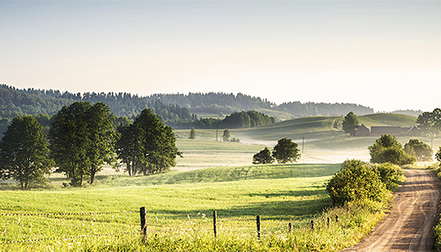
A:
<point x="82" y="139"/>
<point x="147" y="145"/>
<point x="430" y="122"/>
<point x="350" y="123"/>
<point x="192" y="134"/>
<point x="286" y="151"/>
<point x="388" y="149"/>
<point x="420" y="150"/>
<point x="226" y="135"/>
<point x="126" y="148"/>
<point x="101" y="138"/>
<point x="24" y="152"/>
<point x="263" y="157"/>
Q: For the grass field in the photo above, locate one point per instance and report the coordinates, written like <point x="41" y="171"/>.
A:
<point x="213" y="175"/>
<point x="318" y="138"/>
<point x="179" y="206"/>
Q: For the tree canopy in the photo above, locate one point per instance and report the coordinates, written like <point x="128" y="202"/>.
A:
<point x="24" y="152"/>
<point x="388" y="149"/>
<point x="263" y="157"/>
<point x="430" y="122"/>
<point x="286" y="151"/>
<point x="147" y="146"/>
<point x="82" y="139"/>
<point x="418" y="149"/>
<point x="350" y="123"/>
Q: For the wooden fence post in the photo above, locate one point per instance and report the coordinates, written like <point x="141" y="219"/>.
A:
<point x="215" y="223"/>
<point x="142" y="214"/>
<point x="258" y="226"/>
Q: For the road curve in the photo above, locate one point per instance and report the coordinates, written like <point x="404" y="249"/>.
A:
<point x="408" y="226"/>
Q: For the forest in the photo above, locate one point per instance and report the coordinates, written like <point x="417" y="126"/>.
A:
<point x="176" y="110"/>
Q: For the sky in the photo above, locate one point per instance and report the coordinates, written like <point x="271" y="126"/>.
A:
<point x="382" y="54"/>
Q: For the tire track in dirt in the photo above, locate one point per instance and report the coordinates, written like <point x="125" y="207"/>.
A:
<point x="408" y="226"/>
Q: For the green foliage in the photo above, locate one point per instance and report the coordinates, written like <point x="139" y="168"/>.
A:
<point x="247" y="120"/>
<point x="192" y="134"/>
<point x="235" y="140"/>
<point x="82" y="139"/>
<point x="263" y="157"/>
<point x="286" y="151"/>
<point x="147" y="146"/>
<point x="355" y="182"/>
<point x="350" y="123"/>
<point x="438" y="155"/>
<point x="226" y="136"/>
<point x="24" y="153"/>
<point x="418" y="149"/>
<point x="388" y="149"/>
<point x="430" y="122"/>
<point x="391" y="175"/>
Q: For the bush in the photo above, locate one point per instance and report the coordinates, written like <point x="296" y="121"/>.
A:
<point x="391" y="175"/>
<point x="356" y="181"/>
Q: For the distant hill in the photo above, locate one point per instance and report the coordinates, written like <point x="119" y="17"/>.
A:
<point x="175" y="109"/>
<point x="215" y="103"/>
<point x="408" y="112"/>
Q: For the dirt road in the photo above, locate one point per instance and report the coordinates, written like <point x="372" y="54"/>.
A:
<point x="408" y="226"/>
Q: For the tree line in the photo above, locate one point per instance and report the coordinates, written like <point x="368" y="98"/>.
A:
<point x="82" y="138"/>
<point x="177" y="110"/>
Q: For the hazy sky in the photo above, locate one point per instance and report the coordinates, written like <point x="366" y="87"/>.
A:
<point x="382" y="54"/>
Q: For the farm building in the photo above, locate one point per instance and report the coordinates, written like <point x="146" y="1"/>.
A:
<point x="362" y="131"/>
<point x="381" y="130"/>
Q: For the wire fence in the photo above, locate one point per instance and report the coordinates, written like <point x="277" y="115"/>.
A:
<point x="81" y="225"/>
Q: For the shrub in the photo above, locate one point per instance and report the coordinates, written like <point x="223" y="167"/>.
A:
<point x="391" y="175"/>
<point x="356" y="181"/>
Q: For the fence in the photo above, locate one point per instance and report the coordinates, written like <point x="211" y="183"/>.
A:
<point x="127" y="224"/>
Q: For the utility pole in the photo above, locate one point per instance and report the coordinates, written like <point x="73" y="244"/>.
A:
<point x="303" y="144"/>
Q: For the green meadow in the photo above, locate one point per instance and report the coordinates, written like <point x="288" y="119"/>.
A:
<point x="212" y="176"/>
<point x="179" y="212"/>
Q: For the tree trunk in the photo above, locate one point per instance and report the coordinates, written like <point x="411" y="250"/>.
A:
<point x="128" y="168"/>
<point x="92" y="177"/>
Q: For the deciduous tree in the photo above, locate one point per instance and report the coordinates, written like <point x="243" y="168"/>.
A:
<point x="430" y="122"/>
<point x="286" y="151"/>
<point x="24" y="152"/>
<point x="388" y="149"/>
<point x="350" y="123"/>
<point x="147" y="146"/>
<point x="82" y="139"/>
<point x="422" y="151"/>
<point x="263" y="157"/>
